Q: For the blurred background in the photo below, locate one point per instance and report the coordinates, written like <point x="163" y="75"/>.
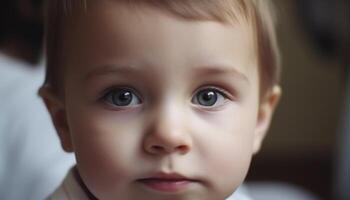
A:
<point x="32" y="163"/>
<point x="309" y="136"/>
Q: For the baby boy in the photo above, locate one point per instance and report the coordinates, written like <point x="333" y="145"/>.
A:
<point x="160" y="99"/>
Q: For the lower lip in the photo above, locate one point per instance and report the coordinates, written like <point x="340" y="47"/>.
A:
<point x="166" y="185"/>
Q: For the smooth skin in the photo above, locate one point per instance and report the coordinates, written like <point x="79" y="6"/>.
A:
<point x="149" y="93"/>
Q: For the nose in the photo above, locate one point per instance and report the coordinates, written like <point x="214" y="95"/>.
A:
<point x="167" y="134"/>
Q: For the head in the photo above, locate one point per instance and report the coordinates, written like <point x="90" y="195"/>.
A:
<point x="21" y="25"/>
<point x="161" y="99"/>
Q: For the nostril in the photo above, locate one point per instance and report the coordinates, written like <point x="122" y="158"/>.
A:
<point x="157" y="148"/>
<point x="182" y="148"/>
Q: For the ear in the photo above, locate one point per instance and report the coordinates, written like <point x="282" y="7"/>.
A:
<point x="56" y="108"/>
<point x="266" y="109"/>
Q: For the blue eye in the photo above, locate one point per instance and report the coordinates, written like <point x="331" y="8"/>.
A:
<point x="209" y="98"/>
<point x="122" y="98"/>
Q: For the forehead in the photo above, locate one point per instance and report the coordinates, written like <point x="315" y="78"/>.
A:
<point x="110" y="32"/>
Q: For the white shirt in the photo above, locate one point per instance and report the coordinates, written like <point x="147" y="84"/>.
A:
<point x="32" y="162"/>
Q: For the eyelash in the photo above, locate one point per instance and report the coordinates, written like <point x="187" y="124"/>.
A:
<point x="227" y="94"/>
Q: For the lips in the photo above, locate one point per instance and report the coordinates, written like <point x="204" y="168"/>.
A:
<point x="164" y="182"/>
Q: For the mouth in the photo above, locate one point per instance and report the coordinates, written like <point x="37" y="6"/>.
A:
<point x="170" y="183"/>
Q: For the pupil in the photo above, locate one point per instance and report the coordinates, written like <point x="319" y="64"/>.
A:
<point x="207" y="98"/>
<point x="122" y="98"/>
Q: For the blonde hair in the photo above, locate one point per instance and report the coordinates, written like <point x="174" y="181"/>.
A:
<point x="258" y="13"/>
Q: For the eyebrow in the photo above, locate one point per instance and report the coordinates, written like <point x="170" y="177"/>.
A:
<point x="111" y="69"/>
<point x="212" y="70"/>
<point x="219" y="70"/>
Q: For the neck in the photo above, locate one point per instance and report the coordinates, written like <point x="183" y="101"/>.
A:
<point x="82" y="185"/>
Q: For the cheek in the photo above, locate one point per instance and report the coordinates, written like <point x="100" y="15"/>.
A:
<point x="228" y="153"/>
<point x="104" y="147"/>
<point x="227" y="160"/>
<point x="229" y="156"/>
<point x="226" y="140"/>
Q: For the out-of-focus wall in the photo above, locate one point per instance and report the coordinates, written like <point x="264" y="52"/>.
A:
<point x="302" y="140"/>
<point x="307" y="118"/>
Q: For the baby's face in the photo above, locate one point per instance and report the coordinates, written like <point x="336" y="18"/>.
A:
<point x="159" y="107"/>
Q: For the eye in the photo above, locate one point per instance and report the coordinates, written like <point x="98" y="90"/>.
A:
<point x="122" y="98"/>
<point x="209" y="97"/>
